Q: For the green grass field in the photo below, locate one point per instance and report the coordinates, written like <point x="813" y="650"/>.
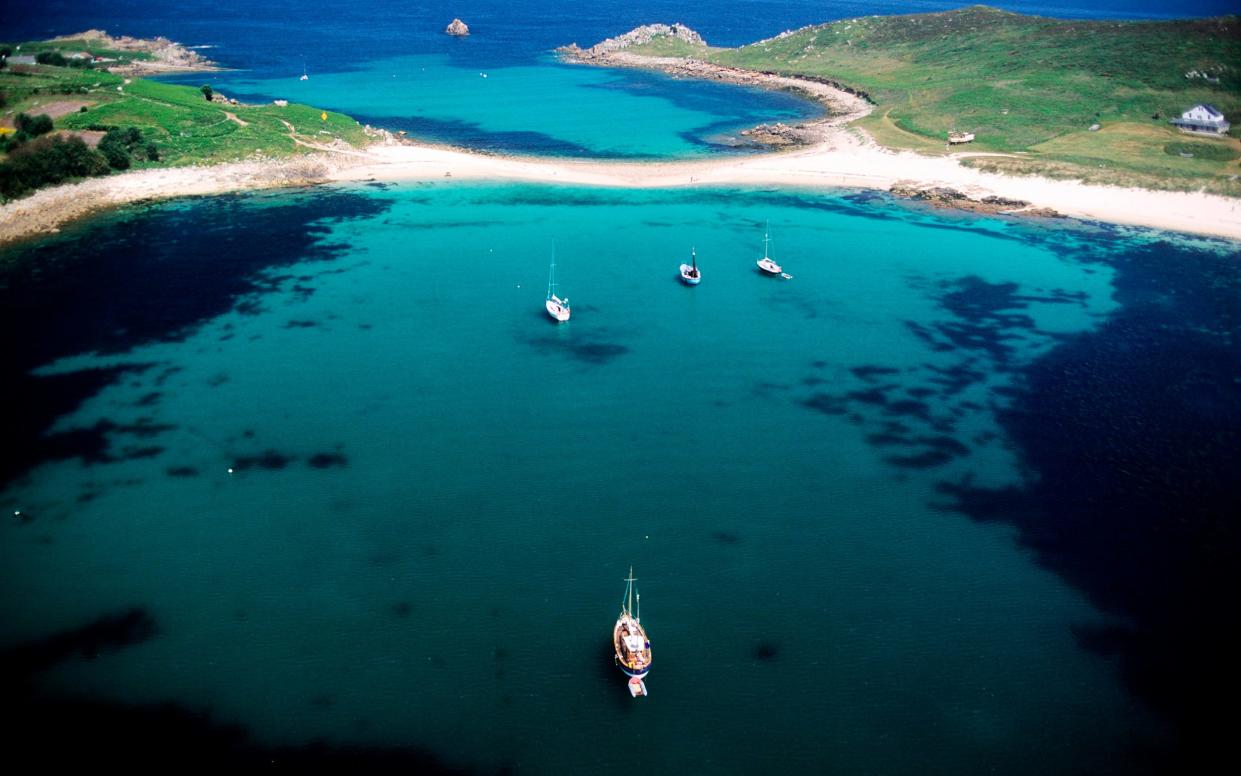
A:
<point x="185" y="128"/>
<point x="1028" y="86"/>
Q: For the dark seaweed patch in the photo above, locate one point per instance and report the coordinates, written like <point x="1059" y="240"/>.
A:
<point x="135" y="453"/>
<point x="181" y="471"/>
<point x="301" y="324"/>
<point x="327" y="460"/>
<point x="402" y="608"/>
<point x="870" y="372"/>
<point x="589" y="351"/>
<point x="765" y="651"/>
<point x="148" y="399"/>
<point x="130" y="279"/>
<point x="270" y="460"/>
<point x="726" y="537"/>
<point x="150" y="737"/>
<point x="1132" y="436"/>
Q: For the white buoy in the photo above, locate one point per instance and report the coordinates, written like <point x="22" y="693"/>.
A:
<point x="230" y="470"/>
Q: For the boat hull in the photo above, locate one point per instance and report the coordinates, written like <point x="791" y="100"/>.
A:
<point x="769" y="266"/>
<point x="557" y="310"/>
<point x="690" y="279"/>
<point x="632" y="646"/>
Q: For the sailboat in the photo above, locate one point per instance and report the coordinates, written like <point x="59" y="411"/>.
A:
<point x="766" y="264"/>
<point x="633" y="648"/>
<point x="689" y="272"/>
<point x="304" y="76"/>
<point x="556" y="307"/>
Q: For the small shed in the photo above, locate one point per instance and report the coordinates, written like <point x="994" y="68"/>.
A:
<point x="1203" y="118"/>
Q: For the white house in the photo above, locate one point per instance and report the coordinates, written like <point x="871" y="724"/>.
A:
<point x="1203" y="118"/>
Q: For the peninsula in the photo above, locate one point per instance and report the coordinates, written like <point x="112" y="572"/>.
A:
<point x="1090" y="145"/>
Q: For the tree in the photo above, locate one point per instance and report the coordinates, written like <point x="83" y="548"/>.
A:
<point x="115" y="149"/>
<point x="46" y="161"/>
<point x="33" y="125"/>
<point x="152" y="152"/>
<point x="207" y="92"/>
<point x="51" y="58"/>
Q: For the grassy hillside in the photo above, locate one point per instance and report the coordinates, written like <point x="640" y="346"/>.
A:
<point x="1032" y="86"/>
<point x="184" y="126"/>
<point x="176" y="122"/>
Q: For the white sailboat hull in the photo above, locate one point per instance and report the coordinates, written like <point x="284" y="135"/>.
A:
<point x="690" y="276"/>
<point x="769" y="266"/>
<point x="557" y="309"/>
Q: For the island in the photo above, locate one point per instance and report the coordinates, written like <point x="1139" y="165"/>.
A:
<point x="1065" y="117"/>
<point x="458" y="28"/>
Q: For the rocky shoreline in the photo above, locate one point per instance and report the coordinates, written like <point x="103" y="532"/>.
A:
<point x="169" y="56"/>
<point x="945" y="198"/>
<point x="842" y="104"/>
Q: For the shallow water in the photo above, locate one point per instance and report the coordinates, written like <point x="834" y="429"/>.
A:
<point x="436" y="492"/>
<point x="539" y="107"/>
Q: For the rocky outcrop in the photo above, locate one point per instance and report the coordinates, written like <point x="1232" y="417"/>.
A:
<point x="778" y="134"/>
<point x="458" y="28"/>
<point x="637" y="37"/>
<point x="169" y="56"/>
<point x="944" y="197"/>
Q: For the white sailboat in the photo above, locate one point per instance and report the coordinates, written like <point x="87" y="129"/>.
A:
<point x="304" y="76"/>
<point x="557" y="308"/>
<point x="690" y="273"/>
<point x="766" y="264"/>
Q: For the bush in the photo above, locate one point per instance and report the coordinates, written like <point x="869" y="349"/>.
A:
<point x="33" y="125"/>
<point x="152" y="152"/>
<point x="46" y="161"/>
<point x="51" y="58"/>
<point x="207" y="91"/>
<point x="118" y="146"/>
<point x="4" y="99"/>
<point x="114" y="150"/>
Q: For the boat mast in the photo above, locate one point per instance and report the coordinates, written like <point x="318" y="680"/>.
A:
<point x="629" y="592"/>
<point x="766" y="239"/>
<point x="551" y="274"/>
<point x="693" y="257"/>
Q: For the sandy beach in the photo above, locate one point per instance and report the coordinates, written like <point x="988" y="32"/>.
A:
<point x="838" y="157"/>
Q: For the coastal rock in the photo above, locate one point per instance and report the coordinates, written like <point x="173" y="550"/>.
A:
<point x="636" y="37"/>
<point x="168" y="56"/>
<point x="458" y="28"/>
<point x="778" y="134"/>
<point x="944" y="197"/>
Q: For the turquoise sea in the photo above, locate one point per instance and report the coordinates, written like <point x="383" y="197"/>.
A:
<point x="436" y="492"/>
<point x="308" y="480"/>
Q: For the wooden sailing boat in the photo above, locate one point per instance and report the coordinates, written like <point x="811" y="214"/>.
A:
<point x="690" y="274"/>
<point x="557" y="308"/>
<point x="633" y="648"/>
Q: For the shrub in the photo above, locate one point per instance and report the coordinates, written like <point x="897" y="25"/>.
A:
<point x="207" y="91"/>
<point x="33" y="125"/>
<point x="46" y="161"/>
<point x="152" y="152"/>
<point x="51" y="58"/>
<point x="119" y="145"/>
<point x="4" y="99"/>
<point x="115" y="150"/>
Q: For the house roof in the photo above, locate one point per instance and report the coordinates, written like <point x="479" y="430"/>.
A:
<point x="1211" y="110"/>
